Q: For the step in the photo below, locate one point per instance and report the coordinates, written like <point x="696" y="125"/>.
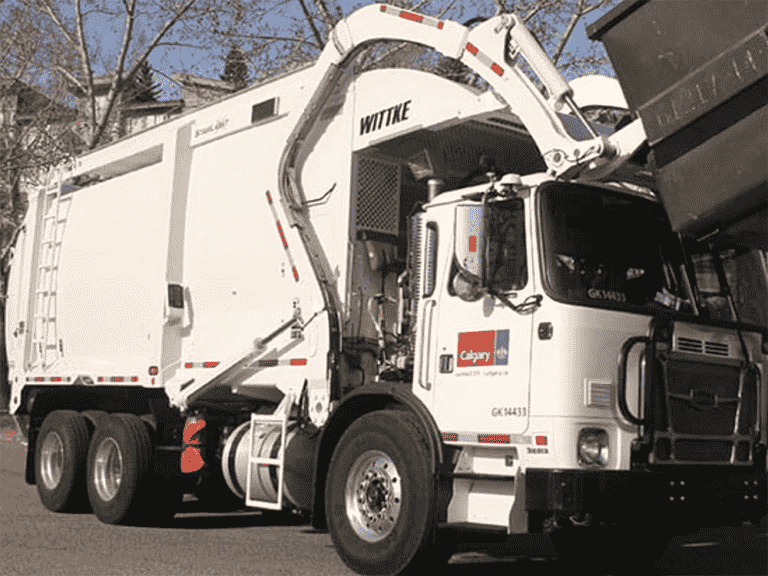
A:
<point x="281" y="414"/>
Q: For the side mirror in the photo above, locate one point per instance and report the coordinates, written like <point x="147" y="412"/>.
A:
<point x="469" y="251"/>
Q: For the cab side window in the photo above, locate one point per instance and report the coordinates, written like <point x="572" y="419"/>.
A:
<point x="507" y="265"/>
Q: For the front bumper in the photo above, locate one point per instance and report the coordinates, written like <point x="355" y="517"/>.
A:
<point x="675" y="494"/>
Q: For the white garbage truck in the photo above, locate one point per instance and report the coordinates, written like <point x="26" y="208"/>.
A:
<point x="403" y="306"/>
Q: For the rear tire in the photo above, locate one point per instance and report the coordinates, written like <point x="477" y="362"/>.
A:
<point x="60" y="462"/>
<point x="120" y="474"/>
<point x="381" y="498"/>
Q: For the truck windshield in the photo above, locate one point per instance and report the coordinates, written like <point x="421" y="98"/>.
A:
<point x="608" y="249"/>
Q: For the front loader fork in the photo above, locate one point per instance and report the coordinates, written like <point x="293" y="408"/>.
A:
<point x="658" y="432"/>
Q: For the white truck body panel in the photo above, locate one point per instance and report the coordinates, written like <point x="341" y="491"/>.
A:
<point x="186" y="203"/>
<point x="219" y="252"/>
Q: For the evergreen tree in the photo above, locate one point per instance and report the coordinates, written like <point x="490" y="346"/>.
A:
<point x="235" y="68"/>
<point x="145" y="89"/>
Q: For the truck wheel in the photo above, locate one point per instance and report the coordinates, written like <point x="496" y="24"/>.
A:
<point x="380" y="497"/>
<point x="60" y="459"/>
<point x="120" y="470"/>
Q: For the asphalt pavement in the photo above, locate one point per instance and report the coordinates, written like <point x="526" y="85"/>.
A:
<point x="34" y="541"/>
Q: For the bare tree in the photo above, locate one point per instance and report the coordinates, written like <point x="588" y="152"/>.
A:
<point x="70" y="19"/>
<point x="553" y="22"/>
<point x="278" y="36"/>
<point x="35" y="120"/>
<point x="35" y="127"/>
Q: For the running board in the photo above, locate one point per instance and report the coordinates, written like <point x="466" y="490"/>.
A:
<point x="280" y="416"/>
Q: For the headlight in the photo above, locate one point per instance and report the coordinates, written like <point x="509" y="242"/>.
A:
<point x="593" y="447"/>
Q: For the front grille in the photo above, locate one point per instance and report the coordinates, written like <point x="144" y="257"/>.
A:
<point x="703" y="401"/>
<point x="697" y="346"/>
<point x="689" y="345"/>
<point x="702" y="398"/>
<point x="716" y="349"/>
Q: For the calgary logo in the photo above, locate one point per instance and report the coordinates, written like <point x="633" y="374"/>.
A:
<point x="475" y="356"/>
<point x="483" y="348"/>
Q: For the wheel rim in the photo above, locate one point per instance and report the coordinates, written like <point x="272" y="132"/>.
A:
<point x="52" y="460"/>
<point x="372" y="496"/>
<point x="108" y="469"/>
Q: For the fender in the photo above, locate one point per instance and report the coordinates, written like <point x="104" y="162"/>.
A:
<point x="368" y="398"/>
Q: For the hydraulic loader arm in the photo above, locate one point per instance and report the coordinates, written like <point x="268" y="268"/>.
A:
<point x="490" y="49"/>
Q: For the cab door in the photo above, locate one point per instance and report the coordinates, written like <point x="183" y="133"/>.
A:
<point x="480" y="349"/>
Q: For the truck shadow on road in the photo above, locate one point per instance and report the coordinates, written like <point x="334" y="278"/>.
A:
<point x="737" y="550"/>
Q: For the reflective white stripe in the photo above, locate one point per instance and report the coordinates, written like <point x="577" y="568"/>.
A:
<point x="413" y="17"/>
<point x="488" y="438"/>
<point x="269" y="362"/>
<point x="282" y="236"/>
<point x="484" y="59"/>
<point x="201" y="364"/>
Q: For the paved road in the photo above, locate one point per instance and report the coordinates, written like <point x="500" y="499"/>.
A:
<point x="34" y="541"/>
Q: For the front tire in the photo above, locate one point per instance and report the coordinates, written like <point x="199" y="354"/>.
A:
<point x="60" y="462"/>
<point x="381" y="497"/>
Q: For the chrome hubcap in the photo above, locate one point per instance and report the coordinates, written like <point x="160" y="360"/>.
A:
<point x="373" y="496"/>
<point x="108" y="469"/>
<point x="52" y="460"/>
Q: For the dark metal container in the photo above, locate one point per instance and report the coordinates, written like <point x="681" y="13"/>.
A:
<point x="696" y="72"/>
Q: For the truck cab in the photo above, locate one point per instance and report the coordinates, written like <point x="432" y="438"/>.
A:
<point x="556" y="317"/>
